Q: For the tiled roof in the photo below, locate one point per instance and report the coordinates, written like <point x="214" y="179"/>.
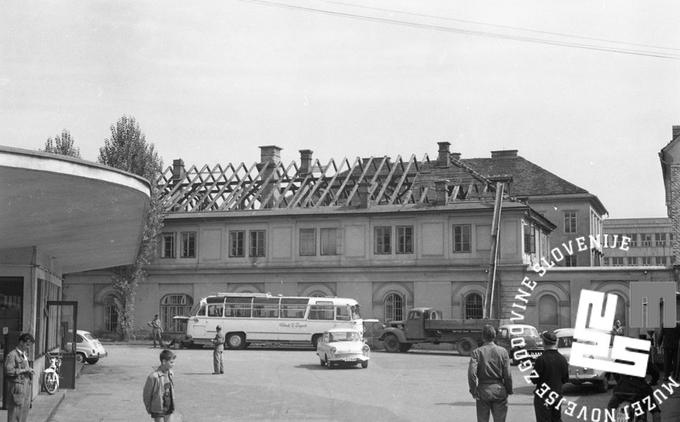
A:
<point x="529" y="179"/>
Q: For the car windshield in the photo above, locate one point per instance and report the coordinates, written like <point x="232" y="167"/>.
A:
<point x="345" y="336"/>
<point x="526" y="332"/>
<point x="565" y="341"/>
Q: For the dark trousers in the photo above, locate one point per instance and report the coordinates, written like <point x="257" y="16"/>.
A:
<point x="493" y="399"/>
<point x="157" y="338"/>
<point x="670" y="361"/>
<point x="546" y="413"/>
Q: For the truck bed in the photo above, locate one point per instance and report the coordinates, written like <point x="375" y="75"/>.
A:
<point x="460" y="324"/>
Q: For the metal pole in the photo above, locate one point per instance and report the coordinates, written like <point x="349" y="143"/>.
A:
<point x="495" y="235"/>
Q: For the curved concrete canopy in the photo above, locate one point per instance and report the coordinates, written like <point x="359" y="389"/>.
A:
<point x="84" y="215"/>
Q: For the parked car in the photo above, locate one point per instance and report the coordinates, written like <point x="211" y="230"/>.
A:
<point x="577" y="374"/>
<point x="533" y="343"/>
<point x="88" y="348"/>
<point x="341" y="346"/>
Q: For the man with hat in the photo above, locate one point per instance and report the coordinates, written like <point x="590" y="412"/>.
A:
<point x="553" y="370"/>
<point x="218" y="348"/>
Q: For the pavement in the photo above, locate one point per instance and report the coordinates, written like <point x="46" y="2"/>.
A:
<point x="45" y="406"/>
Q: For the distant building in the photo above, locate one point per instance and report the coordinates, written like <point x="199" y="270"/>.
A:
<point x="650" y="242"/>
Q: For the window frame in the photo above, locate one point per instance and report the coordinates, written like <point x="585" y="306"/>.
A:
<point x="459" y="245"/>
<point x="188" y="244"/>
<point x="382" y="244"/>
<point x="404" y="244"/>
<point x="172" y="236"/>
<point x="257" y="243"/>
<point x="332" y="244"/>
<point x="571" y="221"/>
<point x="237" y="242"/>
<point x="473" y="310"/>
<point x="304" y="240"/>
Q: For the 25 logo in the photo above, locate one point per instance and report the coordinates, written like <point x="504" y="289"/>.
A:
<point x="593" y="346"/>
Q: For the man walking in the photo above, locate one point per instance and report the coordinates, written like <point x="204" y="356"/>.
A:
<point x="156" y="331"/>
<point x="489" y="378"/>
<point x="218" y="348"/>
<point x="553" y="371"/>
<point x="19" y="374"/>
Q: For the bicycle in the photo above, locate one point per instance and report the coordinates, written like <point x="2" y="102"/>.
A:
<point x="51" y="374"/>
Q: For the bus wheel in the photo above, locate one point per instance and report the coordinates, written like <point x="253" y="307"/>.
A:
<point x="236" y="341"/>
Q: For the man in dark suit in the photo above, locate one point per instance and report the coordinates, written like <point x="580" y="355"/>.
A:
<point x="553" y="370"/>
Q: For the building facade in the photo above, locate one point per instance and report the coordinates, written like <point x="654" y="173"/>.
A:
<point x="391" y="233"/>
<point x="650" y="242"/>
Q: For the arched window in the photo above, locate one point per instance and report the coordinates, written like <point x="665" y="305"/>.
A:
<point x="547" y="312"/>
<point x="110" y="315"/>
<point x="474" y="306"/>
<point x="317" y="293"/>
<point x="173" y="305"/>
<point x="394" y="307"/>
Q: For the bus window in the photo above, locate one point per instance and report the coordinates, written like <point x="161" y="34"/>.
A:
<point x="201" y="310"/>
<point x="293" y="307"/>
<point x="265" y="307"/>
<point x="355" y="312"/>
<point x="320" y="312"/>
<point x="215" y="310"/>
<point x="238" y="307"/>
<point x="342" y="313"/>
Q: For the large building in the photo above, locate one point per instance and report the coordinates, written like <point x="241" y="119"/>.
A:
<point x="390" y="232"/>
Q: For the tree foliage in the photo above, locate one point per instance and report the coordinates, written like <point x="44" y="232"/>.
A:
<point x="128" y="150"/>
<point x="62" y="144"/>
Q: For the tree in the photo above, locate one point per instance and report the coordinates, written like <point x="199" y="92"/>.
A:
<point x="128" y="150"/>
<point x="62" y="144"/>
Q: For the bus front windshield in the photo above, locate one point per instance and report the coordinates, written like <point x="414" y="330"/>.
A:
<point x="355" y="312"/>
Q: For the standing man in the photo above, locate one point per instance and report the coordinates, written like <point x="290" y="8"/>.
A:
<point x="489" y="378"/>
<point x="669" y="341"/>
<point x="19" y="374"/>
<point x="218" y="348"/>
<point x="156" y="331"/>
<point x="553" y="370"/>
<point x="159" y="390"/>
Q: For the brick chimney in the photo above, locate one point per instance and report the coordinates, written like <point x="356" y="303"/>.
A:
<point x="178" y="171"/>
<point x="270" y="158"/>
<point x="504" y="153"/>
<point x="306" y="161"/>
<point x="455" y="155"/>
<point x="444" y="159"/>
<point x="441" y="191"/>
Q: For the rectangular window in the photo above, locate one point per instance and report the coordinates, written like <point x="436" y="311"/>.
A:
<point x="320" y="312"/>
<point x="660" y="239"/>
<point x="238" y="307"/>
<point x="215" y="310"/>
<point x="342" y="313"/>
<point x="660" y="260"/>
<point x="461" y="238"/>
<point x="632" y="261"/>
<point x="570" y="221"/>
<point x="307" y="242"/>
<point x="329" y="241"/>
<point x="617" y="261"/>
<point x="633" y="239"/>
<point x="293" y="307"/>
<point x="168" y="249"/>
<point x="188" y="245"/>
<point x="265" y="307"/>
<point x="383" y="240"/>
<point x="236" y="243"/>
<point x="645" y="239"/>
<point x="570" y="261"/>
<point x="257" y="243"/>
<point x="647" y="260"/>
<point x="404" y="239"/>
<point x="530" y="240"/>
<point x="605" y="262"/>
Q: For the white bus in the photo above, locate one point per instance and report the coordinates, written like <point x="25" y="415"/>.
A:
<point x="262" y="317"/>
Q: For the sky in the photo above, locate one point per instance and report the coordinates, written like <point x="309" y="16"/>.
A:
<point x="589" y="90"/>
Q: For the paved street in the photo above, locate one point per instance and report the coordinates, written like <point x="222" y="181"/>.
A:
<point x="291" y="385"/>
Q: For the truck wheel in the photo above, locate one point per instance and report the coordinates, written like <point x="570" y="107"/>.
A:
<point x="391" y="343"/>
<point x="465" y="346"/>
<point x="404" y="347"/>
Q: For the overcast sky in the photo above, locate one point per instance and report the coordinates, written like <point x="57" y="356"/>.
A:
<point x="211" y="81"/>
